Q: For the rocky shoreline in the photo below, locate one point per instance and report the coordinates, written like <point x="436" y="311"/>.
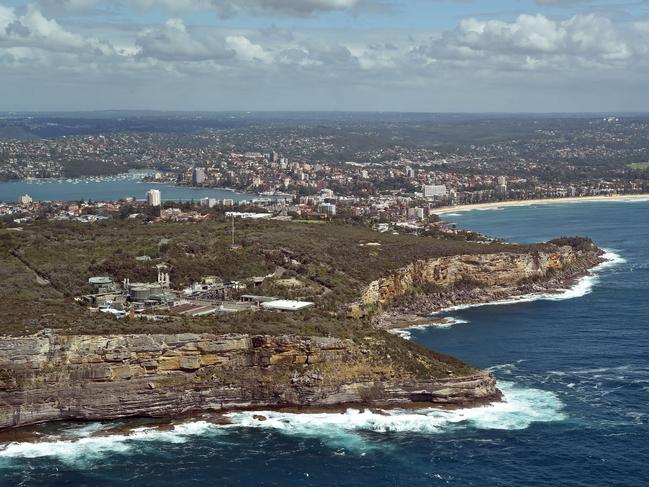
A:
<point x="49" y="377"/>
<point x="423" y="310"/>
<point x="492" y="278"/>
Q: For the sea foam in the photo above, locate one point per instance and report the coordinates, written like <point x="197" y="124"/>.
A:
<point x="76" y="446"/>
<point x="521" y="407"/>
<point x="448" y="322"/>
<point x="582" y="287"/>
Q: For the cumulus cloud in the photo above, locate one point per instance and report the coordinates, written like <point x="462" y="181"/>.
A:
<point x="388" y="65"/>
<point x="533" y="42"/>
<point x="247" y="50"/>
<point x="172" y="42"/>
<point x="256" y="7"/>
<point x="34" y="30"/>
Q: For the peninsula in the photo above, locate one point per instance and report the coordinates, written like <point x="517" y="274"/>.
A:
<point x="129" y="319"/>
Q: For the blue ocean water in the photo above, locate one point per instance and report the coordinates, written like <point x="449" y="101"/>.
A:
<point x="575" y="373"/>
<point x="109" y="188"/>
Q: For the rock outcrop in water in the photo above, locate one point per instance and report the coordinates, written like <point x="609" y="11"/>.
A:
<point x="50" y="378"/>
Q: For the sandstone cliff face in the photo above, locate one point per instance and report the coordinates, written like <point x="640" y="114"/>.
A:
<point x="502" y="273"/>
<point x="48" y="378"/>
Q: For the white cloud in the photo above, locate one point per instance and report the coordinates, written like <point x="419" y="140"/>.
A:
<point x="256" y="7"/>
<point x="246" y="50"/>
<point x="173" y="42"/>
<point x="533" y="42"/>
<point x="33" y="30"/>
<point x="476" y="57"/>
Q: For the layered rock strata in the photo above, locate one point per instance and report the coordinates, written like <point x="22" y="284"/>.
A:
<point x="52" y="378"/>
<point x="428" y="286"/>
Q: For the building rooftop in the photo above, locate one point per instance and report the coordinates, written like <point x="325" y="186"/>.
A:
<point x="98" y="280"/>
<point x="287" y="305"/>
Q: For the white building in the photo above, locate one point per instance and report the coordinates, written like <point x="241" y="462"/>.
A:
<point x="25" y="199"/>
<point x="286" y="305"/>
<point x="326" y="193"/>
<point x="501" y="184"/>
<point x="153" y="197"/>
<point x="328" y="209"/>
<point x="434" y="190"/>
<point x="208" y="202"/>
<point x="199" y="176"/>
<point x="416" y="213"/>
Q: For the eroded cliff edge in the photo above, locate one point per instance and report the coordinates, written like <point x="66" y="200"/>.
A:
<point x="52" y="377"/>
<point x="428" y="286"/>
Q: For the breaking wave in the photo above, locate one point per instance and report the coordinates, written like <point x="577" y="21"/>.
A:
<point x="521" y="407"/>
<point x="448" y="322"/>
<point x="94" y="441"/>
<point x="582" y="287"/>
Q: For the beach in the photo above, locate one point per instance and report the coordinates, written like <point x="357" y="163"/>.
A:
<point x="547" y="201"/>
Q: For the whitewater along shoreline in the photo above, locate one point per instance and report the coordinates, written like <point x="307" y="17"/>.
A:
<point x="544" y="201"/>
<point x="81" y="442"/>
<point x="426" y="309"/>
<point x="128" y="425"/>
<point x="50" y="377"/>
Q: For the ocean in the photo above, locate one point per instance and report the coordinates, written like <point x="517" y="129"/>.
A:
<point x="574" y="369"/>
<point x="108" y="188"/>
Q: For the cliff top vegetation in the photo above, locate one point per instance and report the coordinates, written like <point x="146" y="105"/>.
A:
<point x="47" y="264"/>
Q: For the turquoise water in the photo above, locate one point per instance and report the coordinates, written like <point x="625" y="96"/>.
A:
<point x="108" y="189"/>
<point x="574" y="369"/>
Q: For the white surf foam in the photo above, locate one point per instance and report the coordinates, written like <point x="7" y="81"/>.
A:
<point x="448" y="322"/>
<point x="582" y="287"/>
<point x="401" y="332"/>
<point x="85" y="448"/>
<point x="452" y="320"/>
<point x="521" y="407"/>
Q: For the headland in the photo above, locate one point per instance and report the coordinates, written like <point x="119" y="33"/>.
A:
<point x="62" y="358"/>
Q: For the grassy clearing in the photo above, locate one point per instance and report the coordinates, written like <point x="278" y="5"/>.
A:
<point x="638" y="166"/>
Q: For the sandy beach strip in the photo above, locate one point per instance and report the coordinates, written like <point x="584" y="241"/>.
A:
<point x="547" y="201"/>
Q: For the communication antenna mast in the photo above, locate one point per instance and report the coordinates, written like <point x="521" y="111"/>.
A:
<point x="232" y="215"/>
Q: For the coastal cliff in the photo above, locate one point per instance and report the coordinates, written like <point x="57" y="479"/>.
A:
<point x="50" y="377"/>
<point x="67" y="375"/>
<point x="427" y="286"/>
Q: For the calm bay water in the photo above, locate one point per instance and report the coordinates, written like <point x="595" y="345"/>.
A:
<point x="108" y="189"/>
<point x="575" y="373"/>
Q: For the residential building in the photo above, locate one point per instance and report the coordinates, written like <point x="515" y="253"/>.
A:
<point x="434" y="190"/>
<point x="199" y="176"/>
<point x="153" y="197"/>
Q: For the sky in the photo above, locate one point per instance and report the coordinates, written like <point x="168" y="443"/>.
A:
<point x="367" y="55"/>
